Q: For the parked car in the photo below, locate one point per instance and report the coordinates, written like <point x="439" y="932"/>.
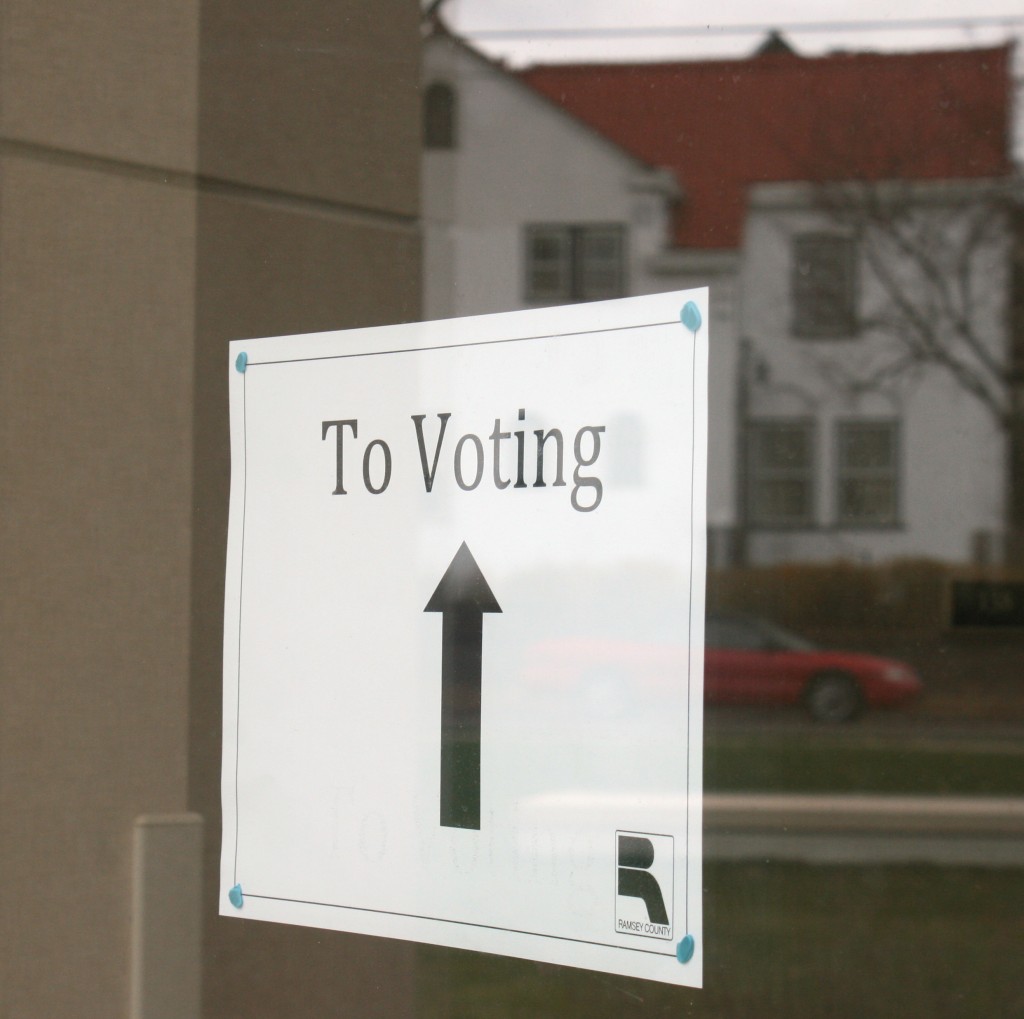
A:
<point x="751" y="661"/>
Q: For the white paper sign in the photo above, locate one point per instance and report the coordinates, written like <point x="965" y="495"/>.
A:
<point x="464" y="633"/>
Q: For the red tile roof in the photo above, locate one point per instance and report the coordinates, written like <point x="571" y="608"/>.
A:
<point x="723" y="125"/>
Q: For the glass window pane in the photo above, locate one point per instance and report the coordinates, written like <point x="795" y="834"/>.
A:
<point x="867" y="473"/>
<point x="781" y="446"/>
<point x="548" y="268"/>
<point x="867" y="501"/>
<point x="439" y="116"/>
<point x="823" y="286"/>
<point x="780" y="488"/>
<point x="867" y="446"/>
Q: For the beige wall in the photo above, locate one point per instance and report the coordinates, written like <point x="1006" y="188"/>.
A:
<point x="96" y="373"/>
<point x="116" y="80"/>
<point x="313" y="99"/>
<point x="169" y="180"/>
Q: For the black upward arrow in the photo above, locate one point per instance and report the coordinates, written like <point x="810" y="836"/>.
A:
<point x="462" y="597"/>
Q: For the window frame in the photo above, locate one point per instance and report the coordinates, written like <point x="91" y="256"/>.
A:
<point x="841" y="427"/>
<point x="754" y="475"/>
<point x="574" y="288"/>
<point x="806" y="293"/>
<point x="440" y="117"/>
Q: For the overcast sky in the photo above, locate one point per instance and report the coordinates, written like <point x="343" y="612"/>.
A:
<point x="707" y="30"/>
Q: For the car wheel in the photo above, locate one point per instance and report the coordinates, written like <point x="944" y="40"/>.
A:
<point x="833" y="697"/>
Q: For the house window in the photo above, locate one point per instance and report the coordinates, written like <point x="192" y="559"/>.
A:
<point x="575" y="263"/>
<point x="439" y="116"/>
<point x="780" y="482"/>
<point x="868" y="474"/>
<point x="824" y="286"/>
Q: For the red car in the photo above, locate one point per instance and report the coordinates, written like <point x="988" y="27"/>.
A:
<point x="750" y="661"/>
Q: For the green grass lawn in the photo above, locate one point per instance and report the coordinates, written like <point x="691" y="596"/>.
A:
<point x="798" y="940"/>
<point x="788" y="940"/>
<point x="788" y="761"/>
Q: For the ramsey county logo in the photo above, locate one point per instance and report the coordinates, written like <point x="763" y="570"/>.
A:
<point x="644" y="884"/>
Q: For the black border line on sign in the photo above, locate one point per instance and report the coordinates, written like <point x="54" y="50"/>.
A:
<point x="238" y="670"/>
<point x="241" y="590"/>
<point x="689" y="623"/>
<point x="459" y="923"/>
<point x="453" y="346"/>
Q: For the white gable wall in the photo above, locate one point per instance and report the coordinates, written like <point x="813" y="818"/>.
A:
<point x="519" y="160"/>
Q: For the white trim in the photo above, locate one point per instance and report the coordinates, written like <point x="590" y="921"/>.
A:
<point x="807" y="194"/>
<point x="681" y="261"/>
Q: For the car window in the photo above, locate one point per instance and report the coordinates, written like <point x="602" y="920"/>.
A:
<point x="735" y="635"/>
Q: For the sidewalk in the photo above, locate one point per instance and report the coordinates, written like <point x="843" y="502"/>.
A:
<point x="953" y="831"/>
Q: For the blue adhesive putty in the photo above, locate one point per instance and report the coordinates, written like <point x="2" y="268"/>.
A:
<point x="685" y="949"/>
<point x="235" y="895"/>
<point x="691" y="316"/>
<point x="242" y="361"/>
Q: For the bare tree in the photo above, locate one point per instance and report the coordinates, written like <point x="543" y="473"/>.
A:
<point x="935" y="259"/>
<point x="944" y="265"/>
<point x="921" y="181"/>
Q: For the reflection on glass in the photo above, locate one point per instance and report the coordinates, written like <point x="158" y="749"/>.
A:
<point x="852" y="214"/>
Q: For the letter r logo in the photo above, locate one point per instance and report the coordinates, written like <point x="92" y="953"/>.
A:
<point x="638" y="874"/>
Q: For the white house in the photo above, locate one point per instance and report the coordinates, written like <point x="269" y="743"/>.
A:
<point x="849" y="214"/>
<point x="861" y="443"/>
